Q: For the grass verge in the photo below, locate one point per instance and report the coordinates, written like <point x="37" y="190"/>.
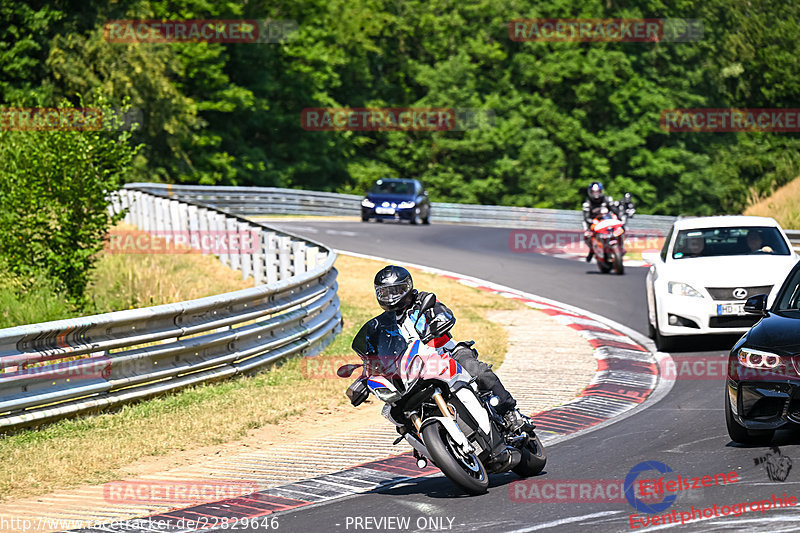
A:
<point x="782" y="206"/>
<point x="96" y="449"/>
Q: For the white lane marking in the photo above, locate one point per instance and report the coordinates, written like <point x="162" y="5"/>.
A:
<point x="337" y="232"/>
<point x="564" y="521"/>
<point x="309" y="229"/>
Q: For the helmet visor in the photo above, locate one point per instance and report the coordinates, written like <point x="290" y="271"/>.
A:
<point x="391" y="294"/>
<point x="595" y="193"/>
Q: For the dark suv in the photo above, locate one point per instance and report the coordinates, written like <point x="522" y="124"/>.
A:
<point x="397" y="199"/>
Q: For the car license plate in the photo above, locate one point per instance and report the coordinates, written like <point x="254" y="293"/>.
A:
<point x="384" y="210"/>
<point x="730" y="309"/>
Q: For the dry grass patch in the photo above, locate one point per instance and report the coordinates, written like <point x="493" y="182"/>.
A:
<point x="782" y="206"/>
<point x="99" y="448"/>
<point x="126" y="281"/>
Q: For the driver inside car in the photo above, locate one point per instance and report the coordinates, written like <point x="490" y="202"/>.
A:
<point x="395" y="291"/>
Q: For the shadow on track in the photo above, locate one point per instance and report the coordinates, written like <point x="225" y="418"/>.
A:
<point x="443" y="488"/>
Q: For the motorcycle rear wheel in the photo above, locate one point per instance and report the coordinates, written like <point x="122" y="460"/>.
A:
<point x="604" y="267"/>
<point x="467" y="472"/>
<point x="533" y="458"/>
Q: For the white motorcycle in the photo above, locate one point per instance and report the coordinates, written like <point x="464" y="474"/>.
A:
<point x="435" y="404"/>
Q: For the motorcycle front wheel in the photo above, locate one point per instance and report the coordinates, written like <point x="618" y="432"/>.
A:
<point x="619" y="268"/>
<point x="602" y="265"/>
<point x="466" y="471"/>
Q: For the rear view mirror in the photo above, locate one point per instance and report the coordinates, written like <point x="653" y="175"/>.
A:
<point x="756" y="305"/>
<point x="427" y="303"/>
<point x="345" y="371"/>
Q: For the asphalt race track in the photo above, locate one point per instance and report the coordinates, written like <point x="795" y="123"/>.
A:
<point x="685" y="431"/>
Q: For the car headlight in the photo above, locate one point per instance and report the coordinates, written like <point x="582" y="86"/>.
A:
<point x="682" y="289"/>
<point x="366" y="203"/>
<point x="758" y="359"/>
<point x="406" y="205"/>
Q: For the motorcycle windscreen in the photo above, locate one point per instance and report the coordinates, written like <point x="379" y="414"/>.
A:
<point x="380" y="344"/>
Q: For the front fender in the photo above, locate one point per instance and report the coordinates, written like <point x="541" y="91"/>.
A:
<point x="452" y="428"/>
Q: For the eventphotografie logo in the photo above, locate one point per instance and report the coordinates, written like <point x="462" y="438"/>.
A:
<point x="605" y="30"/>
<point x="200" y="30"/>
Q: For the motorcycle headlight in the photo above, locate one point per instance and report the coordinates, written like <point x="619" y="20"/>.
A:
<point x="406" y="205"/>
<point x="386" y="394"/>
<point x="366" y="203"/>
<point x="758" y="359"/>
<point x="683" y="289"/>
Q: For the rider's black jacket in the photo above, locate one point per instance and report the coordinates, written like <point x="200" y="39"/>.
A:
<point x="593" y="210"/>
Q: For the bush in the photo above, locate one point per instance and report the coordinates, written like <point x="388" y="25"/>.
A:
<point x="53" y="201"/>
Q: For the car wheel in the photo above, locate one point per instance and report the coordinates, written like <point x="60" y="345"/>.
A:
<point x="742" y="435"/>
<point x="415" y="218"/>
<point x="664" y="344"/>
<point x="427" y="219"/>
<point x="364" y="218"/>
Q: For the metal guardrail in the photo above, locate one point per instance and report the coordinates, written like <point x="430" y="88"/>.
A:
<point x="794" y="238"/>
<point x="61" y="368"/>
<point x="270" y="200"/>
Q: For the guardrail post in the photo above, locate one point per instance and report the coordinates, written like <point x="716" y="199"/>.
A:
<point x="220" y="227"/>
<point x="204" y="224"/>
<point x="246" y="253"/>
<point x="299" y="257"/>
<point x="231" y="232"/>
<point x="271" y="256"/>
<point x="284" y="257"/>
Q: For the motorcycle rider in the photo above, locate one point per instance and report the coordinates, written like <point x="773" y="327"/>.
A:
<point x="598" y="204"/>
<point x="394" y="290"/>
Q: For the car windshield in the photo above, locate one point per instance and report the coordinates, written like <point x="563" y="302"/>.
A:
<point x="714" y="242"/>
<point x="789" y="300"/>
<point x="393" y="187"/>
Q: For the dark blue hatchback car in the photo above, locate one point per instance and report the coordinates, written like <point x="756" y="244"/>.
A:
<point x="397" y="199"/>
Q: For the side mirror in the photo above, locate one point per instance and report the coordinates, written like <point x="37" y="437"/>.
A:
<point x="345" y="371"/>
<point x="756" y="305"/>
<point x="427" y="303"/>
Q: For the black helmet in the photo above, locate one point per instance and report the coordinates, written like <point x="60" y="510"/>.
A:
<point x="595" y="192"/>
<point x="393" y="284"/>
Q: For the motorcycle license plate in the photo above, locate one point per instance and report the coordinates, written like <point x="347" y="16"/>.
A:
<point x="384" y="210"/>
<point x="730" y="309"/>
